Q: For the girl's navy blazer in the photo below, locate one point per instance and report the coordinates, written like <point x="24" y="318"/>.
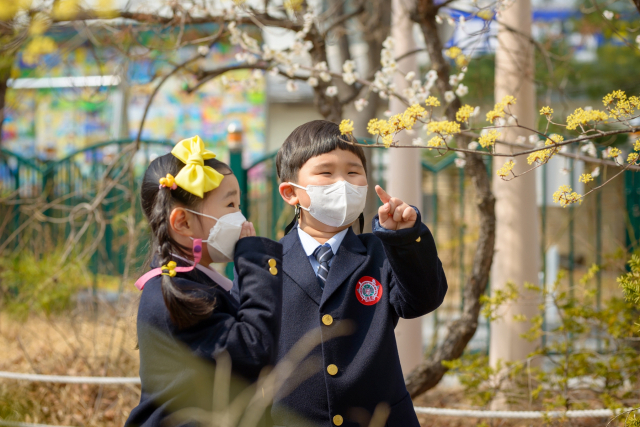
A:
<point x="177" y="365"/>
<point x="344" y="378"/>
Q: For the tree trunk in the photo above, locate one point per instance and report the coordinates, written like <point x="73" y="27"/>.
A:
<point x="430" y="371"/>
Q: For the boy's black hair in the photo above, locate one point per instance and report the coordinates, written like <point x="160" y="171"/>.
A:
<point x="310" y="140"/>
<point x="185" y="306"/>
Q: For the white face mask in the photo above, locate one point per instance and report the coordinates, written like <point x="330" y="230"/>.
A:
<point x="224" y="235"/>
<point x="336" y="205"/>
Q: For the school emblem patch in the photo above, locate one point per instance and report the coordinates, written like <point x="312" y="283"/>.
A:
<point x="368" y="290"/>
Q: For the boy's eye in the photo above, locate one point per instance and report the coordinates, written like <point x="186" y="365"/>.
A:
<point x="230" y="205"/>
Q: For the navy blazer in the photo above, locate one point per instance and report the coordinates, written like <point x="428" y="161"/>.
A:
<point x="346" y="377"/>
<point x="177" y="365"/>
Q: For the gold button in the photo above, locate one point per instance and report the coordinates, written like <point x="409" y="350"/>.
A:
<point x="273" y="270"/>
<point x="272" y="262"/>
<point x="327" y="319"/>
<point x="418" y="239"/>
<point x="337" y="420"/>
<point x="332" y="369"/>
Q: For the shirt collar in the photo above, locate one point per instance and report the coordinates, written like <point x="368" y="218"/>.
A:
<point x="309" y="244"/>
<point x="224" y="283"/>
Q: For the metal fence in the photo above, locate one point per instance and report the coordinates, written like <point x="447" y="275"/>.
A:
<point x="58" y="186"/>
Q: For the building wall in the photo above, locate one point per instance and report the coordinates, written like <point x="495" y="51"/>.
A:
<point x="283" y="118"/>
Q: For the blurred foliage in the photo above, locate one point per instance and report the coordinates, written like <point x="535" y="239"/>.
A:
<point x="29" y="283"/>
<point x="570" y="369"/>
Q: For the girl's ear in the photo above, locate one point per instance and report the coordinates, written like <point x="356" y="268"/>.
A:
<point x="287" y="191"/>
<point x="181" y="222"/>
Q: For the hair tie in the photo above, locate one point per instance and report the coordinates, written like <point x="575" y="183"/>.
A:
<point x="169" y="269"/>
<point x="169" y="181"/>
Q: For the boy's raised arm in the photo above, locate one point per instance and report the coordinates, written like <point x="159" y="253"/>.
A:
<point x="412" y="270"/>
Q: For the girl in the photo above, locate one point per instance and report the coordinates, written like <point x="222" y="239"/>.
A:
<point x="187" y="317"/>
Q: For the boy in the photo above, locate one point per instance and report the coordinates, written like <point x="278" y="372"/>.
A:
<point x="333" y="276"/>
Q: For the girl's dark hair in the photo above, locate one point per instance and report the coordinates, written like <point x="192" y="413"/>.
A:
<point x="310" y="140"/>
<point x="186" y="305"/>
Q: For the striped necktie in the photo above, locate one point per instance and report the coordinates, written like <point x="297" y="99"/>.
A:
<point x="323" y="254"/>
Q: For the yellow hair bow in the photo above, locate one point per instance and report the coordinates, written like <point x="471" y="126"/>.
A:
<point x="195" y="177"/>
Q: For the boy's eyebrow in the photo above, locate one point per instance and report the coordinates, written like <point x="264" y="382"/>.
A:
<point x="356" y="164"/>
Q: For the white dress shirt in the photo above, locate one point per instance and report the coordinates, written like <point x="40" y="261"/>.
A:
<point x="309" y="244"/>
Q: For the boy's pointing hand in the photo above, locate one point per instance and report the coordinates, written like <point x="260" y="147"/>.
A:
<point x="394" y="214"/>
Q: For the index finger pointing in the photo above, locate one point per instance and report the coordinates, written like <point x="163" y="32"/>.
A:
<point x="384" y="197"/>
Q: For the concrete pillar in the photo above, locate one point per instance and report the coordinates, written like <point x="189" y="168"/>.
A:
<point x="517" y="251"/>
<point x="404" y="173"/>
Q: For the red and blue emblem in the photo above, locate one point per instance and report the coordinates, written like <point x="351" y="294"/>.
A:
<point x="368" y="290"/>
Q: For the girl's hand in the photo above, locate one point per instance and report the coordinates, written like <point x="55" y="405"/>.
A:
<point x="247" y="230"/>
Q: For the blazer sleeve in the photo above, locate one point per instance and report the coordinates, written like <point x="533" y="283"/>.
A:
<point x="249" y="336"/>
<point x="412" y="269"/>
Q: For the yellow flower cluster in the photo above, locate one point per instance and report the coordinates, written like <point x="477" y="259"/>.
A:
<point x="585" y="178"/>
<point x="432" y="101"/>
<point x="453" y="52"/>
<point x="546" y="111"/>
<point x="623" y="107"/>
<point x="36" y="47"/>
<point x="614" y="152"/>
<point x="169" y="269"/>
<point x="293" y="5"/>
<point x="66" y="9"/>
<point x="489" y="138"/>
<point x="346" y="126"/>
<point x="506" y="168"/>
<point x="444" y="127"/>
<point x="633" y="158"/>
<point x="498" y="110"/>
<point x="396" y="123"/>
<point x="462" y="61"/>
<point x="581" y="117"/>
<point x="565" y="196"/>
<point x="486" y="14"/>
<point x="543" y="156"/>
<point x="636" y="145"/>
<point x="464" y="113"/>
<point x="436" y="141"/>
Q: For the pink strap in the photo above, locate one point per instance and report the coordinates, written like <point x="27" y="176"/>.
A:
<point x="197" y="256"/>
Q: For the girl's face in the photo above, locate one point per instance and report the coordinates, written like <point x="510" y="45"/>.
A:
<point x="217" y="203"/>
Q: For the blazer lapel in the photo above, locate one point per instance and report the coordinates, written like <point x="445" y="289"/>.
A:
<point x="296" y="265"/>
<point x="351" y="254"/>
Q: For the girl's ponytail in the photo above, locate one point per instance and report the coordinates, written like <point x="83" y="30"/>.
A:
<point x="186" y="305"/>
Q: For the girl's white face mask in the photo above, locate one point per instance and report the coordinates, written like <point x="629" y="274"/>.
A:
<point x="335" y="205"/>
<point x="224" y="235"/>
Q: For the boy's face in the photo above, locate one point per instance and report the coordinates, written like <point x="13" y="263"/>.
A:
<point x="325" y="169"/>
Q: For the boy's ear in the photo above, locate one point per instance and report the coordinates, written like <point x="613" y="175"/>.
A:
<point x="180" y="221"/>
<point x="287" y="192"/>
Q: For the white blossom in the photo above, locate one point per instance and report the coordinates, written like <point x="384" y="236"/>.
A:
<point x="564" y="171"/>
<point x="274" y="71"/>
<point x="460" y="77"/>
<point x="462" y="90"/>
<point x="325" y="76"/>
<point x="520" y="139"/>
<point x="383" y="94"/>
<point x="476" y="111"/>
<point x="349" y="78"/>
<point x="360" y="104"/>
<point x="595" y="172"/>
<point x="590" y="149"/>
<point x="438" y="19"/>
<point x="462" y="21"/>
<point x="312" y="81"/>
<point x="388" y="43"/>
<point x="588" y="108"/>
<point x="511" y="121"/>
<point x="203" y="50"/>
<point x="473" y="145"/>
<point x="533" y="139"/>
<point x="460" y="162"/>
<point x="432" y="75"/>
<point x="349" y="66"/>
<point x="453" y="79"/>
<point x="410" y="75"/>
<point x="417" y="141"/>
<point x="416" y="85"/>
<point x="331" y="91"/>
<point x="388" y="113"/>
<point x="256" y="74"/>
<point x="608" y="14"/>
<point x="449" y="96"/>
<point x="291" y="86"/>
